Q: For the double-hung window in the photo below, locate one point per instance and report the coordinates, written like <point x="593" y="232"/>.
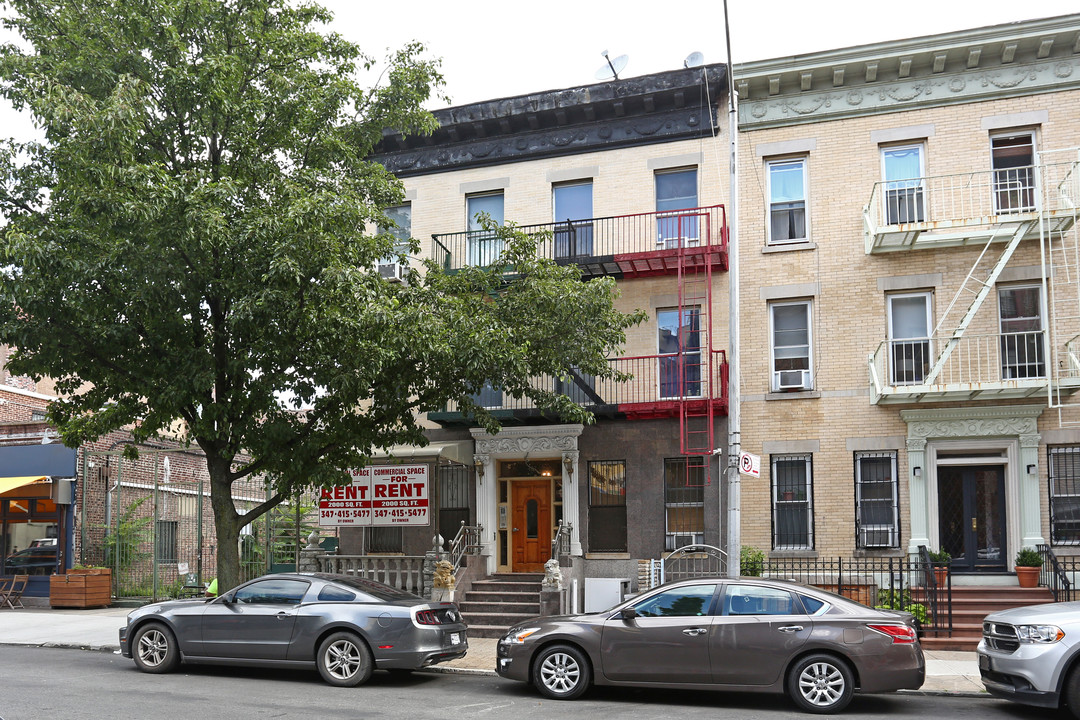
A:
<point x="904" y="184"/>
<point x="572" y="205"/>
<point x="790" y="332"/>
<point x="792" y="502"/>
<point x="909" y="338"/>
<point x="1013" y="160"/>
<point x="679" y="339"/>
<point x="484" y="246"/>
<point x="787" y="201"/>
<point x="684" y="501"/>
<point x="877" y="516"/>
<point x="676" y="190"/>
<point x="607" y="506"/>
<point x="1064" y="494"/>
<point x="399" y="225"/>
<point x="1020" y="311"/>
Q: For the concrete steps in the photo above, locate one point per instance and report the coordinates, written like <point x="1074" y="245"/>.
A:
<point x="972" y="603"/>
<point x="493" y="605"/>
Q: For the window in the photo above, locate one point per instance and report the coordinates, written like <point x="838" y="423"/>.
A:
<point x="909" y="338"/>
<point x="384" y="540"/>
<point x="758" y="600"/>
<point x="793" y="502"/>
<point x="1064" y="495"/>
<point x="684" y="501"/>
<point x="1013" y="158"/>
<point x="787" y="201"/>
<point x="679" y="345"/>
<point x="454" y="490"/>
<point x="484" y="246"/>
<point x="903" y="171"/>
<point x="607" y="506"/>
<point x="572" y="204"/>
<point x="688" y="601"/>
<point x="165" y="541"/>
<point x="676" y="190"/>
<point x="790" y="332"/>
<point x="876" y="505"/>
<point x="401" y="217"/>
<point x="272" y="592"/>
<point x="1020" y="311"/>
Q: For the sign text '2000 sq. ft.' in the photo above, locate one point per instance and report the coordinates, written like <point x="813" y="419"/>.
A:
<point x="379" y="495"/>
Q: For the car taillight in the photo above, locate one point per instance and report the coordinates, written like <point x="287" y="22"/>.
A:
<point x="427" y="617"/>
<point x="900" y="634"/>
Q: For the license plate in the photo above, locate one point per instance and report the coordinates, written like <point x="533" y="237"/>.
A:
<point x="984" y="662"/>
<point x="455" y="638"/>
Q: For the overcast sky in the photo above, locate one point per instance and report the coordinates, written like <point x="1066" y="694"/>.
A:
<point x="494" y="48"/>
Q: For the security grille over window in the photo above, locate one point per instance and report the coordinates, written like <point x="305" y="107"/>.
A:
<point x="607" y="506"/>
<point x="793" y="506"/>
<point x="684" y="501"/>
<point x="876" y="506"/>
<point x="454" y="492"/>
<point x="1064" y="463"/>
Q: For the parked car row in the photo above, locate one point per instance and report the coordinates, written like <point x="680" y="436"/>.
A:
<point x="707" y="633"/>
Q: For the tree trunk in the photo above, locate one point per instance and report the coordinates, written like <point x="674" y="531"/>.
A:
<point x="226" y="523"/>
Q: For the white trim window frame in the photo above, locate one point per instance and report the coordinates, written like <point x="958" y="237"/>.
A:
<point x="1023" y="336"/>
<point x="791" y="357"/>
<point x="679" y="351"/>
<point x="877" y="500"/>
<point x="677" y="195"/>
<point x="787" y="190"/>
<point x="910" y="345"/>
<point x="484" y="247"/>
<point x="1012" y="161"/>
<point x="903" y="168"/>
<point x="792" y="502"/>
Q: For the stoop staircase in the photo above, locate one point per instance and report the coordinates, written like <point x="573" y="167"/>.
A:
<point x="493" y="605"/>
<point x="970" y="604"/>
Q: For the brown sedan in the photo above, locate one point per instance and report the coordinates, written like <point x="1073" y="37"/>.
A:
<point x="723" y="634"/>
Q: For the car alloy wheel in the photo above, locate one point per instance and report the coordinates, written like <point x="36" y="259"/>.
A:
<point x="155" y="649"/>
<point x="821" y="684"/>
<point x="344" y="660"/>
<point x="561" y="672"/>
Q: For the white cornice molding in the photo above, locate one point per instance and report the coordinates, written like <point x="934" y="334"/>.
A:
<point x="993" y="421"/>
<point x="523" y="440"/>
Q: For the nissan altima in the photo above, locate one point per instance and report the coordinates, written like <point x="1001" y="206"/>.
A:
<point x="343" y="626"/>
<point x="722" y="634"/>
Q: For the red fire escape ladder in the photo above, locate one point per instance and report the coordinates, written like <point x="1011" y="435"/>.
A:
<point x="696" y="346"/>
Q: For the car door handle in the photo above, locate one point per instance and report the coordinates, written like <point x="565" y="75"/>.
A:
<point x="282" y="615"/>
<point x="790" y="628"/>
<point x="692" y="632"/>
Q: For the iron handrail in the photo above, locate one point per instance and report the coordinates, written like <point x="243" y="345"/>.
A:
<point x="560" y="544"/>
<point x="1053" y="575"/>
<point x="465" y="542"/>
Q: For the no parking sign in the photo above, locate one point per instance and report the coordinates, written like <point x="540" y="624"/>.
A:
<point x="750" y="464"/>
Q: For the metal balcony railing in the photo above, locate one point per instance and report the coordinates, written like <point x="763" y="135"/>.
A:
<point x="900" y="210"/>
<point x="1006" y="364"/>
<point x="659" y="381"/>
<point x="585" y="241"/>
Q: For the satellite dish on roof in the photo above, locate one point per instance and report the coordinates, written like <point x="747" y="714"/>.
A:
<point x="693" y="60"/>
<point x="613" y="67"/>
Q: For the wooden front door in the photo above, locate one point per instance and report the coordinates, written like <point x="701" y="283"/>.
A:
<point x="531" y="530"/>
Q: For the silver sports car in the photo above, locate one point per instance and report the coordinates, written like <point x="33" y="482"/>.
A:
<point x="343" y="626"/>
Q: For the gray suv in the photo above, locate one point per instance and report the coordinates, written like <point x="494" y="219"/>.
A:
<point x="1031" y="655"/>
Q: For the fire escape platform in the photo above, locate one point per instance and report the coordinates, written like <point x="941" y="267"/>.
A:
<point x="953" y="392"/>
<point x="960" y="233"/>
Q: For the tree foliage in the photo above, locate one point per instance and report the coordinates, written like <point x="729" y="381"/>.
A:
<point x="188" y="250"/>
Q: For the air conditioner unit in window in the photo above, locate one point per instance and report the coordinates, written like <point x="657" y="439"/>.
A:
<point x="392" y="271"/>
<point x="792" y="379"/>
<point x="875" y="536"/>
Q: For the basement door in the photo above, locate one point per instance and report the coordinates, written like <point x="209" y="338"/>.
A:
<point x="971" y="512"/>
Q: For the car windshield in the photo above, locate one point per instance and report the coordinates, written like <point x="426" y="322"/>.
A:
<point x="377" y="591"/>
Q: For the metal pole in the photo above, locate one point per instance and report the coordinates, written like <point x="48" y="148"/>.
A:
<point x="734" y="542"/>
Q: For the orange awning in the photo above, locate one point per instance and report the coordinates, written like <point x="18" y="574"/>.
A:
<point x="8" y="484"/>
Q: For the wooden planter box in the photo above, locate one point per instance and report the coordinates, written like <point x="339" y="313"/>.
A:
<point x="90" y="587"/>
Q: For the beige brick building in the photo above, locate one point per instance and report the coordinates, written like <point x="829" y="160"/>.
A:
<point x="909" y="304"/>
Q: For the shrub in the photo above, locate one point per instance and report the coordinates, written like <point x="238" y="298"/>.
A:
<point x="751" y="561"/>
<point x="1029" y="557"/>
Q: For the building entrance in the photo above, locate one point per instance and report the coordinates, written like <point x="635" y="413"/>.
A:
<point x="971" y="512"/>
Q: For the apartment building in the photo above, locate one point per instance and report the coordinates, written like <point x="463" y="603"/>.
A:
<point x="624" y="179"/>
<point x="910" y="304"/>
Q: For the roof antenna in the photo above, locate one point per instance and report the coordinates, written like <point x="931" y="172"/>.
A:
<point x="613" y="67"/>
<point x="693" y="60"/>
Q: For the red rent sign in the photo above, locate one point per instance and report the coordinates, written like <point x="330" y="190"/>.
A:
<point x="380" y="496"/>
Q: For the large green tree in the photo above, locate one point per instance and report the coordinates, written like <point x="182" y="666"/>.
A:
<point x="190" y="247"/>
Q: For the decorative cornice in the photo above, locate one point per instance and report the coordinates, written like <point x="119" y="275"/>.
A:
<point x="995" y="421"/>
<point x="540" y="439"/>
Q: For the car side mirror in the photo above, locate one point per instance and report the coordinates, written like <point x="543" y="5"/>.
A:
<point x="628" y="613"/>
<point x="228" y="598"/>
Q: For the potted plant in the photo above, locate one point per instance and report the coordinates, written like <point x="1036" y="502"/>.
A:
<point x="940" y="559"/>
<point x="81" y="587"/>
<point x="1028" y="566"/>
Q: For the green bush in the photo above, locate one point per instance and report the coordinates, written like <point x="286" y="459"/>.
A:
<point x="751" y="561"/>
<point x="1029" y="557"/>
<point x="901" y="600"/>
<point x="940" y="556"/>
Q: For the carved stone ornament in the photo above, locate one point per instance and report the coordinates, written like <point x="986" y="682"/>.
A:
<point x="519" y="441"/>
<point x="1007" y="421"/>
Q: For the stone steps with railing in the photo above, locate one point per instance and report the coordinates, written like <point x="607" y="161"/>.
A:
<point x="493" y="605"/>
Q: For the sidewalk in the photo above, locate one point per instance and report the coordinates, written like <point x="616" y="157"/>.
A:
<point x="954" y="673"/>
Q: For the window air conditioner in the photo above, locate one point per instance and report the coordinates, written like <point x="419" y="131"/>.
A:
<point x="875" y="536"/>
<point x="392" y="271"/>
<point x="792" y="379"/>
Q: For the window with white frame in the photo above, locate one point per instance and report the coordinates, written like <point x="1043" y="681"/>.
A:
<point x="902" y="167"/>
<point x="679" y="341"/>
<point x="877" y="514"/>
<point x="789" y="330"/>
<point x="1012" y="157"/>
<point x="909" y="337"/>
<point x="787" y="201"/>
<point x="1020" y="313"/>
<point x="484" y="246"/>
<point x="1064" y="462"/>
<point x="677" y="190"/>
<point x="572" y="208"/>
<point x="792" y="502"/>
<point x="399" y="224"/>
<point x="684" y="501"/>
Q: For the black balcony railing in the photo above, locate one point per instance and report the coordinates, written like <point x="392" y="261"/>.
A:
<point x="595" y="239"/>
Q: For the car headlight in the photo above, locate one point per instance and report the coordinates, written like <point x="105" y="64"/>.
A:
<point x="1039" y="633"/>
<point x="518" y="636"/>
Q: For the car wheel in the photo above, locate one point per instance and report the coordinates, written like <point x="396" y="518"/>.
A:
<point x="821" y="684"/>
<point x="154" y="649"/>
<point x="344" y="660"/>
<point x="1072" y="692"/>
<point x="561" y="672"/>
